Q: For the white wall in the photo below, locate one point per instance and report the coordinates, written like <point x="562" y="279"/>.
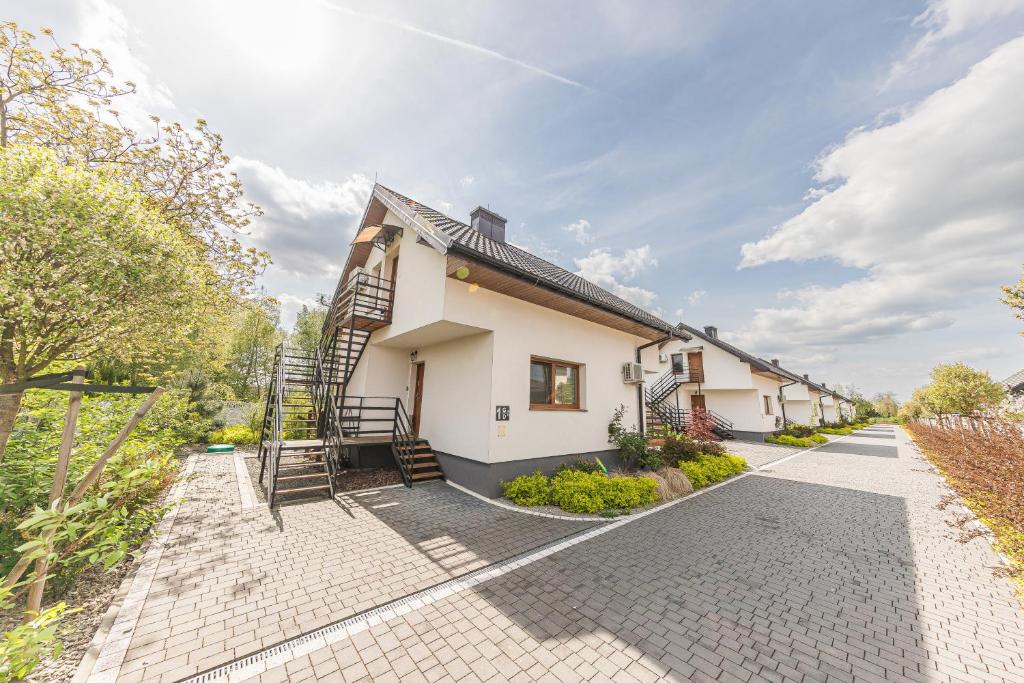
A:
<point x="799" y="411"/>
<point x="522" y="330"/>
<point x="770" y="388"/>
<point x="722" y="370"/>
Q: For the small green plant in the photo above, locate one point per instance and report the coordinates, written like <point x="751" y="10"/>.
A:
<point x="578" y="491"/>
<point x="709" y="469"/>
<point x="236" y="434"/>
<point x="629" y="492"/>
<point x="799" y="431"/>
<point x="580" y="465"/>
<point x="839" y="431"/>
<point x="529" y="489"/>
<point x="25" y="645"/>
<point x="806" y="442"/>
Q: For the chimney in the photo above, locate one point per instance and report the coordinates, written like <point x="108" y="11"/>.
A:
<point x="488" y="223"/>
<point x="824" y="386"/>
<point x="711" y="331"/>
<point x="807" y="377"/>
<point x="775" y="362"/>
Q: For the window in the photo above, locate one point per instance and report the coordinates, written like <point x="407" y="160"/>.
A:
<point x="678" y="362"/>
<point x="767" y="405"/>
<point x="554" y="385"/>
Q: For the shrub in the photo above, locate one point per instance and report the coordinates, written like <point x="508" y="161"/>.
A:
<point x="680" y="447"/>
<point x="236" y="434"/>
<point x="838" y="431"/>
<point x="651" y="459"/>
<point x="25" y="645"/>
<point x="709" y="469"/>
<point x="580" y="465"/>
<point x="578" y="491"/>
<point x="799" y="431"/>
<point x="806" y="442"/>
<point x="629" y="492"/>
<point x="529" y="489"/>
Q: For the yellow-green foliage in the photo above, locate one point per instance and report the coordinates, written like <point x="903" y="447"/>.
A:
<point x="235" y="434"/>
<point x="529" y="489"/>
<point x="586" y="492"/>
<point x="709" y="469"/>
<point x="800" y="442"/>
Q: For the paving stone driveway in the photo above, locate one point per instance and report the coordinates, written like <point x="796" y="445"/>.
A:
<point x="835" y="565"/>
<point x="232" y="581"/>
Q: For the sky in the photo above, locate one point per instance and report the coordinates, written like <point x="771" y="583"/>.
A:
<point x="838" y="185"/>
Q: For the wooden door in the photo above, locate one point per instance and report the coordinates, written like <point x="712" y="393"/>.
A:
<point x="697" y="401"/>
<point x="417" y="398"/>
<point x="695" y="361"/>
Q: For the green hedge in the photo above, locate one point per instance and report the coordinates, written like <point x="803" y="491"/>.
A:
<point x="585" y="492"/>
<point x="837" y="431"/>
<point x="235" y="434"/>
<point x="799" y="442"/>
<point x="709" y="469"/>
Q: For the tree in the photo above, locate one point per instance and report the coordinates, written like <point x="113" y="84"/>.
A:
<point x="251" y="354"/>
<point x="885" y="404"/>
<point x="957" y="389"/>
<point x="61" y="99"/>
<point x="86" y="263"/>
<point x="1015" y="298"/>
<point x="305" y="335"/>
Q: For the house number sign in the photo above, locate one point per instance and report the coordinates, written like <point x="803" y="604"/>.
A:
<point x="501" y="413"/>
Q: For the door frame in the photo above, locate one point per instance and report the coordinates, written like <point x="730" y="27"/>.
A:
<point x="419" y="370"/>
<point x="703" y="401"/>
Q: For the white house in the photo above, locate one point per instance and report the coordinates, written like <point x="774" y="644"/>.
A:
<point x="473" y="359"/>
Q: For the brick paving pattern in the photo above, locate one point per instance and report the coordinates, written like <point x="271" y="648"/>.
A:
<point x="832" y="566"/>
<point x="234" y="580"/>
<point x="757" y="453"/>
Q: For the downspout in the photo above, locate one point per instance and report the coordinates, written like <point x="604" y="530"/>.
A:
<point x="640" y="386"/>
<point x="782" y="401"/>
<point x="821" y="416"/>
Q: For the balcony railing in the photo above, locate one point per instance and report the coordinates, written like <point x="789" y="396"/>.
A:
<point x="687" y="375"/>
<point x="365" y="302"/>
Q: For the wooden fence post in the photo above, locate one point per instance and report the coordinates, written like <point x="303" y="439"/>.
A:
<point x="60" y="477"/>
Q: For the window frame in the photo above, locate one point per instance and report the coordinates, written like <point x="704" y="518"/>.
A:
<point x="768" y="405"/>
<point x="554" y="363"/>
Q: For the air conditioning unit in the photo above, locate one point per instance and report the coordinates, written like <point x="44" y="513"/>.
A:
<point x="632" y="373"/>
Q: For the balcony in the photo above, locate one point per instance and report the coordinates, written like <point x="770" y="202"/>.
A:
<point x="364" y="302"/>
<point x="688" y="375"/>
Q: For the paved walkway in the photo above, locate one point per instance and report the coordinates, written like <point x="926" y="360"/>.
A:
<point x="833" y="565"/>
<point x="758" y="453"/>
<point x="235" y="578"/>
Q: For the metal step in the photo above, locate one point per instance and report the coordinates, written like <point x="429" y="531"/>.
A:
<point x="426" y="475"/>
<point x="302" y="489"/>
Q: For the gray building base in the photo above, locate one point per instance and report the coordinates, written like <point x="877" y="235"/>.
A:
<point x="485" y="478"/>
<point x="750" y="436"/>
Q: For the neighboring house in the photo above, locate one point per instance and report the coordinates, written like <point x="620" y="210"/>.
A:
<point x="478" y="361"/>
<point x="1014" y="385"/>
<point x="739" y="390"/>
<point x="504" y="362"/>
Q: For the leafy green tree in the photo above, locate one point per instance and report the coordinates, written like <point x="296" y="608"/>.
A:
<point x="254" y="341"/>
<point x="305" y="335"/>
<point x="885" y="404"/>
<point x="961" y="390"/>
<point x="63" y="99"/>
<point x="78" y="271"/>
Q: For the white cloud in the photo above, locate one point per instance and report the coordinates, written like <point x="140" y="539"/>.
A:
<point x="307" y="225"/>
<point x="678" y="313"/>
<point x="454" y="42"/>
<point x="603" y="268"/>
<point x="580" y="230"/>
<point x="290" y="307"/>
<point x="466" y="181"/>
<point x="695" y="296"/>
<point x="947" y="19"/>
<point x="105" y="27"/>
<point x="930" y="207"/>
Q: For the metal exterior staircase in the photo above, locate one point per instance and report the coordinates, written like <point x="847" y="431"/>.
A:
<point x="660" y="412"/>
<point x="293" y="459"/>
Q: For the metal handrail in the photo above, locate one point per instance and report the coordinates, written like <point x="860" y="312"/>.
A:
<point x="364" y="296"/>
<point x="327" y="416"/>
<point x="278" y="433"/>
<point x="403" y="441"/>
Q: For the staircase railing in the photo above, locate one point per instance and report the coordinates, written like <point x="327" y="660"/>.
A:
<point x="278" y="428"/>
<point x="723" y="424"/>
<point x="663" y="387"/>
<point x="328" y="421"/>
<point x="403" y="443"/>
